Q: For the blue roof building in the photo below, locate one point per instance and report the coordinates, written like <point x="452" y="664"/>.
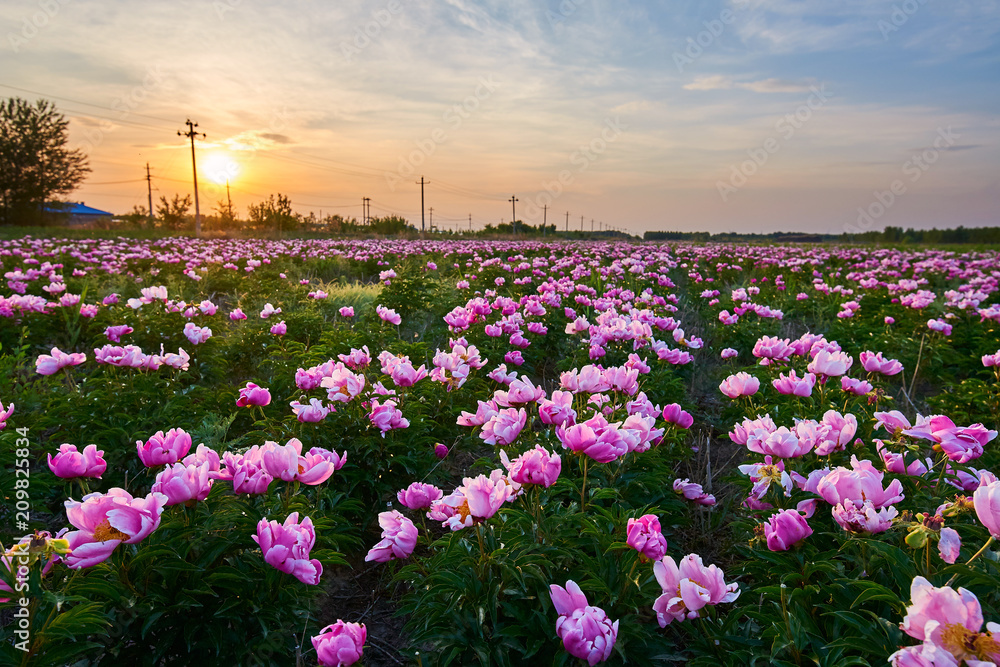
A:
<point x="77" y="213"/>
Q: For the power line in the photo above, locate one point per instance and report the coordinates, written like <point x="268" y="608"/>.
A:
<point x="87" y="104"/>
<point x="191" y="134"/>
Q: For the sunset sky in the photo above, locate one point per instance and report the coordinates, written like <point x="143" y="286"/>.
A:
<point x="752" y="116"/>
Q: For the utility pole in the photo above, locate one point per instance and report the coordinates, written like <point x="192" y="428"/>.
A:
<point x="513" y="210"/>
<point x="366" y="209"/>
<point x="191" y="134"/>
<point x="567" y="223"/>
<point x="229" y="203"/>
<point x="149" y="191"/>
<point x="422" y="184"/>
<point x="581" y="224"/>
<point x="545" y="217"/>
<point x="432" y="219"/>
<point x="470" y="223"/>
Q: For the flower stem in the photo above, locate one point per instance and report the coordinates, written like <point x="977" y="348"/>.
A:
<point x="583" y="489"/>
<point x="974" y="557"/>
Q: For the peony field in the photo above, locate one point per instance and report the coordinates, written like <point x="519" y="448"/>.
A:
<point x="323" y="452"/>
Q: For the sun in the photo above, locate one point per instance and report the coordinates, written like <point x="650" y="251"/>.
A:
<point x="220" y="168"/>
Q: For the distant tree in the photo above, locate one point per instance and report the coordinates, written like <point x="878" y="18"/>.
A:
<point x="137" y="218"/>
<point x="173" y="214"/>
<point x="35" y="164"/>
<point x="273" y="213"/>
<point x="226" y="214"/>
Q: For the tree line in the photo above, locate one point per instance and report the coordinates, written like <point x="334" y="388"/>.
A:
<point x="891" y="235"/>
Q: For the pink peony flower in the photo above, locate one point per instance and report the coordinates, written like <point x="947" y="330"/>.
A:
<point x="5" y="414"/>
<point x="388" y="315"/>
<point x="673" y="414"/>
<point x="729" y="353"/>
<point x="830" y="364"/>
<point x="252" y="395"/>
<point x="586" y="631"/>
<point x="399" y="538"/>
<point x="340" y="644"/>
<point x="103" y="521"/>
<point x="70" y="463"/>
<point x="792" y="385"/>
<point x="196" y="334"/>
<point x="279" y="329"/>
<point x="936" y="612"/>
<point x="164" y="448"/>
<point x="347" y="311"/>
<point x="863" y="518"/>
<point x="286" y="547"/>
<point x="693" y="491"/>
<point x="786" y="529"/>
<point x="876" y="363"/>
<point x="184" y="483"/>
<point x="741" y="384"/>
<point x="50" y="364"/>
<point x="418" y="496"/>
<point x="311" y="412"/>
<point x="535" y="466"/>
<point x="645" y="536"/>
<point x="557" y="411"/>
<point x="987" y="502"/>
<point x="237" y="314"/>
<point x="115" y="333"/>
<point x="949" y="545"/>
<point x="485" y="495"/>
<point x="387" y="416"/>
<point x="688" y="588"/>
<point x="856" y="387"/>
<point x="504" y="427"/>
<point x="861" y="483"/>
<point x="269" y="310"/>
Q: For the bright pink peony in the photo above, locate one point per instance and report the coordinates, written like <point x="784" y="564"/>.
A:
<point x="586" y="631"/>
<point x="50" y="364"/>
<point x="387" y="416"/>
<point x="418" y="496"/>
<point x="987" y="502"/>
<point x="103" y="521"/>
<point x="785" y="530"/>
<point x="741" y="384"/>
<point x="557" y="411"/>
<point x="673" y="414"/>
<point x="876" y="363"/>
<point x="934" y="612"/>
<point x="645" y="536"/>
<point x="863" y="518"/>
<point x="164" y="448"/>
<point x="340" y="644"/>
<point x="693" y="491"/>
<point x="184" y="483"/>
<point x="70" y="463"/>
<point x="689" y="588"/>
<point x="792" y="385"/>
<point x="399" y="538"/>
<point x="861" y="483"/>
<point x="252" y="395"/>
<point x="286" y="547"/>
<point x="504" y="427"/>
<point x="535" y="466"/>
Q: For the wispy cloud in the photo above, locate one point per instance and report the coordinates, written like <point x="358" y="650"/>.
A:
<point x="771" y="85"/>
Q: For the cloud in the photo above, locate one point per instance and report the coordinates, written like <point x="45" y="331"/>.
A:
<point x="772" y="85"/>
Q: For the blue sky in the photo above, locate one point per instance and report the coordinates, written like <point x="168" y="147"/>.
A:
<point x="640" y="116"/>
